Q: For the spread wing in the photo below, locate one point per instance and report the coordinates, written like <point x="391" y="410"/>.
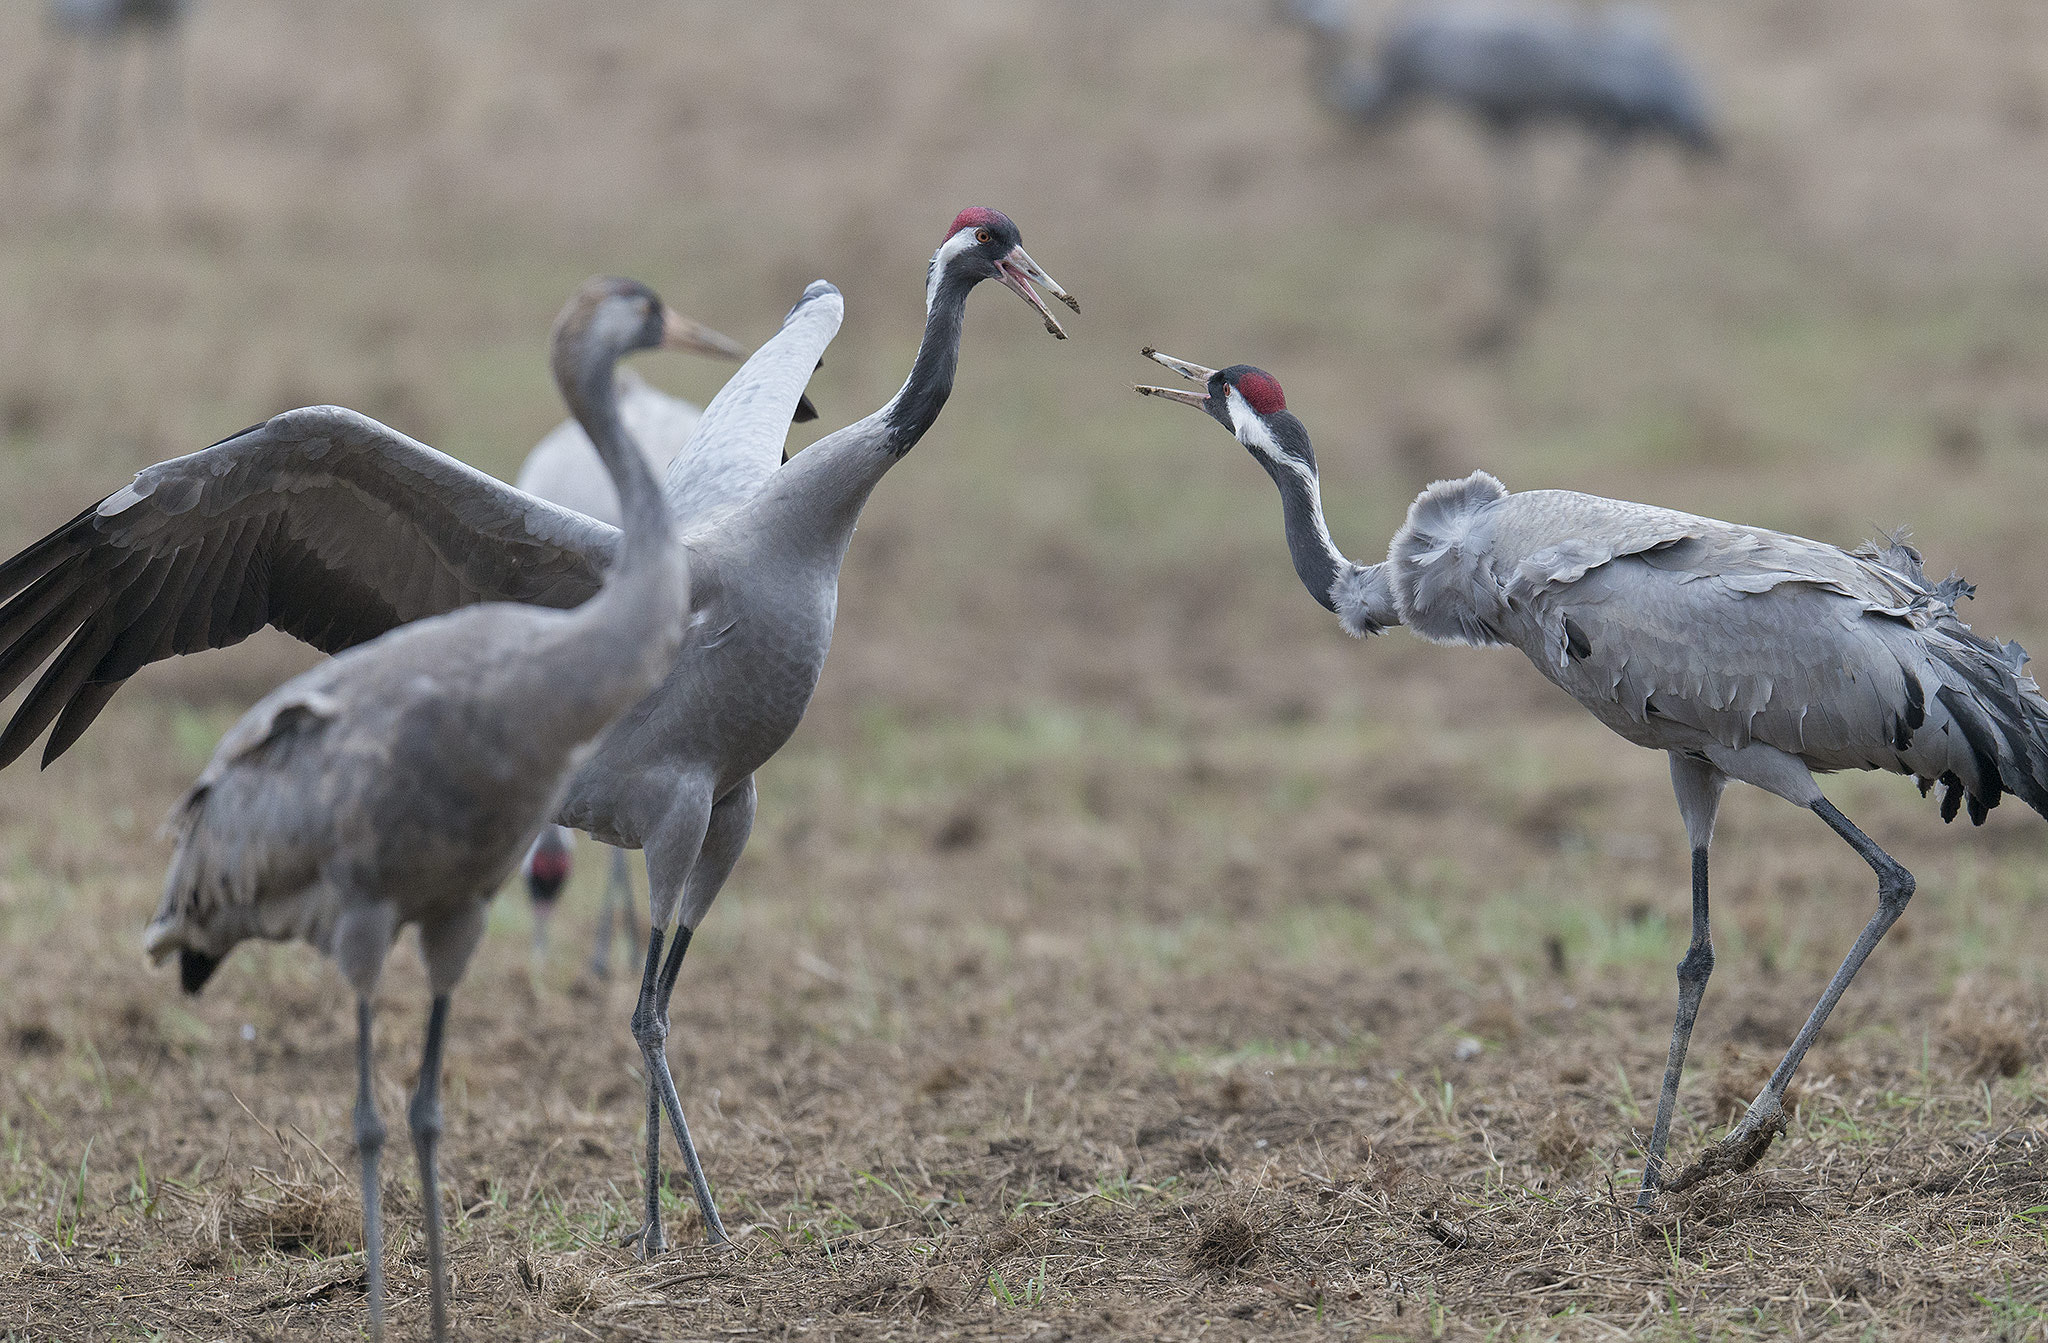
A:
<point x="322" y="522"/>
<point x="738" y="441"/>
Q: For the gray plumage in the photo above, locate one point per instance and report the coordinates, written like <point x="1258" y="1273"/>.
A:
<point x="564" y="469"/>
<point x="397" y="784"/>
<point x="111" y="18"/>
<point x="1611" y="73"/>
<point x="334" y="529"/>
<point x="1743" y="653"/>
<point x="1734" y="643"/>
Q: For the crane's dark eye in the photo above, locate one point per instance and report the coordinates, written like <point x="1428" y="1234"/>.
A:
<point x="981" y="235"/>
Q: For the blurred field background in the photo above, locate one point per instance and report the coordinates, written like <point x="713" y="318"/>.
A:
<point x="1121" y="951"/>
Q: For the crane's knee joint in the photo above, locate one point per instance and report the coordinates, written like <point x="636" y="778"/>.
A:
<point x="1895" y="888"/>
<point x="650" y="1027"/>
<point x="1697" y="965"/>
<point x="369" y="1132"/>
<point x="425" y="1117"/>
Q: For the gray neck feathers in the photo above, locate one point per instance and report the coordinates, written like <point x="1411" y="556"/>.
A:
<point x="1442" y="572"/>
<point x="1360" y="595"/>
<point x="595" y="403"/>
<point x="924" y="392"/>
<point x="812" y="504"/>
<point x="1316" y="557"/>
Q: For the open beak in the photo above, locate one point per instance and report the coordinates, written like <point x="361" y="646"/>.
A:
<point x="1019" y="271"/>
<point x="1192" y="372"/>
<point x="682" y="333"/>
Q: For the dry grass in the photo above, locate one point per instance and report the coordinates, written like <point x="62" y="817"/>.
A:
<point x="1121" y="952"/>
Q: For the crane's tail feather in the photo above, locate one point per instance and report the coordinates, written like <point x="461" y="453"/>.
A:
<point x="195" y="968"/>
<point x="2000" y="714"/>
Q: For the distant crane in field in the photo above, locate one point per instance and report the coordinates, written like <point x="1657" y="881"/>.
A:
<point x="398" y="783"/>
<point x="1513" y="66"/>
<point x="336" y="532"/>
<point x="1742" y="653"/>
<point x="101" y="28"/>
<point x="564" y="469"/>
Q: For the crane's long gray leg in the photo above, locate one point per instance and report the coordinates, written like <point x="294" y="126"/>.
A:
<point x="707" y="1208"/>
<point x="1518" y="225"/>
<point x="1698" y="786"/>
<point x="370" y="1142"/>
<point x="425" y="1117"/>
<point x="618" y="894"/>
<point x="651" y="1242"/>
<point x="671" y="854"/>
<point x="1521" y="224"/>
<point x="1596" y="182"/>
<point x="725" y="837"/>
<point x="1752" y="1137"/>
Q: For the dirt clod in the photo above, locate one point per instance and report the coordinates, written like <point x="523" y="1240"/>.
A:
<point x="1729" y="1156"/>
<point x="1226" y="1244"/>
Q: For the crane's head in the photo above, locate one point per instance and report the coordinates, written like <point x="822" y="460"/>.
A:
<point x="982" y="244"/>
<point x="608" y="318"/>
<point x="1249" y="403"/>
<point x="547" y="872"/>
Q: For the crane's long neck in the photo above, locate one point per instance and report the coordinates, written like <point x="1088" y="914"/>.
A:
<point x="1361" y="595"/>
<point x="812" y="504"/>
<point x="594" y="400"/>
<point x="614" y="648"/>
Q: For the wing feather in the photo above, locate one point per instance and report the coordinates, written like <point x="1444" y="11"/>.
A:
<point x="737" y="444"/>
<point x="321" y="522"/>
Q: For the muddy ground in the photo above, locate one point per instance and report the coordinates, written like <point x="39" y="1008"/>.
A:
<point x="1121" y="950"/>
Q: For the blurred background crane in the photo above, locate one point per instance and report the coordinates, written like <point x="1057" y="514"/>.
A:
<point x="1514" y="66"/>
<point x="103" y="32"/>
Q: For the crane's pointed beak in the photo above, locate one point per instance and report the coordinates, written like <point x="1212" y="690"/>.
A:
<point x="1192" y="372"/>
<point x="1199" y="400"/>
<point x="1018" y="271"/>
<point x="682" y="333"/>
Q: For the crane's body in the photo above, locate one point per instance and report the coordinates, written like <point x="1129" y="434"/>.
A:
<point x="705" y="474"/>
<point x="1737" y="645"/>
<point x="1742" y="653"/>
<point x="299" y="828"/>
<point x="1513" y="66"/>
<point x="111" y="18"/>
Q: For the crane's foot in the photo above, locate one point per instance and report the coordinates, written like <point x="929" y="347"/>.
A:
<point x="647" y="1238"/>
<point x="1739" y="1151"/>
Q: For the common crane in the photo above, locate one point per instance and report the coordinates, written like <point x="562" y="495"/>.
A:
<point x="100" y="27"/>
<point x="1512" y="65"/>
<point x="335" y="531"/>
<point x="1742" y="653"/>
<point x="398" y="783"/>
